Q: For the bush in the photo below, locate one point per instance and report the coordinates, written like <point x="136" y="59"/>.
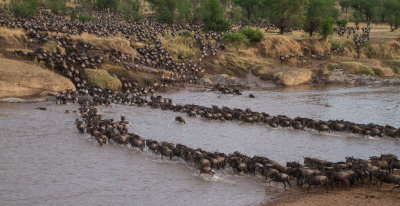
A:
<point x="212" y="16"/>
<point x="236" y="39"/>
<point x="103" y="79"/>
<point x="356" y="68"/>
<point x="326" y="27"/>
<point x="396" y="70"/>
<point x="378" y="71"/>
<point x="85" y="18"/>
<point x="107" y="4"/>
<point x="338" y="44"/>
<point x="57" y="7"/>
<point x="25" y="8"/>
<point x="253" y="35"/>
<point x="187" y="34"/>
<point x="341" y="23"/>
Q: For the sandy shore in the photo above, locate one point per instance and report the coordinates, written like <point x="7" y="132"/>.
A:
<point x="362" y="196"/>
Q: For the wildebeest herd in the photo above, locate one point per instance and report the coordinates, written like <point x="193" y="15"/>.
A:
<point x="79" y="55"/>
<point x="351" y="172"/>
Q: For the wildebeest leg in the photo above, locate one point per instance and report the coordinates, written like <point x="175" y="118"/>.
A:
<point x="395" y="186"/>
<point x="289" y="183"/>
<point x="379" y="185"/>
<point x="284" y="185"/>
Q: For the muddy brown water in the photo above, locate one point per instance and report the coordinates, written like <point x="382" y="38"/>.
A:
<point x="379" y="105"/>
<point x="45" y="161"/>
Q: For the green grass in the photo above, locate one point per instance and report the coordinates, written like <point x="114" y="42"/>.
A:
<point x="103" y="79"/>
<point x="85" y="18"/>
<point x="243" y="37"/>
<point x="358" y="68"/>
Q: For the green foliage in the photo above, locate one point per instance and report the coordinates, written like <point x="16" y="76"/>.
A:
<point x="345" y="4"/>
<point x="85" y="18"/>
<point x="243" y="37"/>
<point x="25" y="8"/>
<point x="236" y="39"/>
<point x="366" y="8"/>
<point x="326" y="27"/>
<point x="185" y="10"/>
<point x="107" y="4"/>
<point x="286" y="13"/>
<point x="212" y="16"/>
<point x="130" y="9"/>
<point x="249" y="6"/>
<point x="186" y="34"/>
<point x="235" y="15"/>
<point x="253" y="35"/>
<point x="317" y="11"/>
<point x="341" y="22"/>
<point x="392" y="12"/>
<point x="165" y="10"/>
<point x="378" y="71"/>
<point x="338" y="44"/>
<point x="57" y="6"/>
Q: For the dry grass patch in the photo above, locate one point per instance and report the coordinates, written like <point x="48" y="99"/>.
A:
<point x="118" y="43"/>
<point x="51" y="46"/>
<point x="103" y="79"/>
<point x="140" y="77"/>
<point x="184" y="46"/>
<point x="12" y="38"/>
<point x="277" y="46"/>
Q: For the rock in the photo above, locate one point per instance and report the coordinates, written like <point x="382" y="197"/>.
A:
<point x="295" y="77"/>
<point x="387" y="72"/>
<point x="22" y="80"/>
<point x="206" y="81"/>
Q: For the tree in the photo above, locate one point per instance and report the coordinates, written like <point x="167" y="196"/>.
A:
<point x="56" y="6"/>
<point x="212" y="16"/>
<point x="107" y="4"/>
<point x="392" y="11"/>
<point x="165" y="10"/>
<point x="317" y="11"/>
<point x="367" y="8"/>
<point x="286" y="13"/>
<point x="130" y="9"/>
<point x="25" y="8"/>
<point x="250" y="6"/>
<point x="185" y="10"/>
<point x="326" y="27"/>
<point x="345" y="5"/>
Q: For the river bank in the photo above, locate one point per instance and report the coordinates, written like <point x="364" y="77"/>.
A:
<point x="356" y="196"/>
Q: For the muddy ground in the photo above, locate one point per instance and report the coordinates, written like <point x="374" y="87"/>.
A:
<point x="356" y="196"/>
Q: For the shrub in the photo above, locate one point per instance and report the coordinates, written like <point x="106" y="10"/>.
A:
<point x="187" y="34"/>
<point x="25" y="8"/>
<point x="396" y="70"/>
<point x="107" y="4"/>
<point x="103" y="79"/>
<point x="378" y="71"/>
<point x="57" y="7"/>
<point x="253" y="35"/>
<point x="341" y="22"/>
<point x="236" y="39"/>
<point x="326" y="27"/>
<point x="85" y="18"/>
<point x="212" y="16"/>
<point x="338" y="44"/>
<point x="356" y="68"/>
